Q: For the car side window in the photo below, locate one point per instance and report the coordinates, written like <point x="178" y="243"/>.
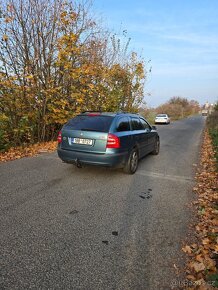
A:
<point x="136" y="124"/>
<point x="123" y="125"/>
<point x="146" y="126"/>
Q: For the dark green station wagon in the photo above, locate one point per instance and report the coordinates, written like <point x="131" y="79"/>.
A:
<point x="107" y="139"/>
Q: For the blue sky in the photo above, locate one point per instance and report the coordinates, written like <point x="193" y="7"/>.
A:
<point x="180" y="38"/>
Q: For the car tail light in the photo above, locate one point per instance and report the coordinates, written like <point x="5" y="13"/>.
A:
<point x="59" y="137"/>
<point x="113" y="141"/>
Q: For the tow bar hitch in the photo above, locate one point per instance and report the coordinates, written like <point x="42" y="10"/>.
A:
<point x="78" y="163"/>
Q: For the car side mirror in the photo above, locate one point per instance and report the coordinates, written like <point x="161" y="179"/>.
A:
<point x="154" y="127"/>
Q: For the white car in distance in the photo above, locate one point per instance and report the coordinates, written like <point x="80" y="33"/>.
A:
<point x="162" y="119"/>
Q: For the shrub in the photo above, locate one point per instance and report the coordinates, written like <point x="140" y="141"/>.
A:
<point x="212" y="125"/>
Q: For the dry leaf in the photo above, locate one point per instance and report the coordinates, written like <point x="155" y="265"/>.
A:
<point x="198" y="266"/>
<point x="187" y="249"/>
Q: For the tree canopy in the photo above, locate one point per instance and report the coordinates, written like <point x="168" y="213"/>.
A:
<point x="56" y="61"/>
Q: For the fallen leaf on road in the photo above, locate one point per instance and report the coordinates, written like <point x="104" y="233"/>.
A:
<point x="187" y="249"/>
<point x="176" y="268"/>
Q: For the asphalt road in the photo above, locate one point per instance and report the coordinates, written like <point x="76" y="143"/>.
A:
<point x="94" y="228"/>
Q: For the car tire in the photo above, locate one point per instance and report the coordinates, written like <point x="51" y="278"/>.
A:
<point x="156" y="148"/>
<point x="132" y="163"/>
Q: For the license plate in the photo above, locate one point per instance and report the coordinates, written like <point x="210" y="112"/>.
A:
<point x="81" y="141"/>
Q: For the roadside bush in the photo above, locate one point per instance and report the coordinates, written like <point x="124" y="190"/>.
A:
<point x="212" y="125"/>
<point x="3" y="143"/>
<point x="179" y="108"/>
<point x="4" y="140"/>
<point x="148" y="114"/>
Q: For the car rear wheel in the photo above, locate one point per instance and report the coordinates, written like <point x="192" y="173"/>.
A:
<point x="156" y="147"/>
<point x="132" y="163"/>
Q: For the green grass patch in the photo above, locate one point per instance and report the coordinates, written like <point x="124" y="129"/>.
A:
<point x="212" y="125"/>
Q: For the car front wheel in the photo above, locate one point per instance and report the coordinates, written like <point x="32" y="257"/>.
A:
<point x="132" y="163"/>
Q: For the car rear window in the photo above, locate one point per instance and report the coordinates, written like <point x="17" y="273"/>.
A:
<point x="90" y="123"/>
<point x="162" y="115"/>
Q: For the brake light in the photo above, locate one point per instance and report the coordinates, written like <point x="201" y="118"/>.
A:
<point x="59" y="137"/>
<point x="93" y="114"/>
<point x="113" y="141"/>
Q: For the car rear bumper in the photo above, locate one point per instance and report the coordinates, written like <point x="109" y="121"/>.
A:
<point x="107" y="159"/>
<point x="162" y="121"/>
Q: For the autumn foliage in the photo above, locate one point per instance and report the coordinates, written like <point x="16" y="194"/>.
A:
<point x="56" y="61"/>
<point x="202" y="268"/>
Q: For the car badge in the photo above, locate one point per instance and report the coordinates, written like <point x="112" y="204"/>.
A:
<point x="81" y="134"/>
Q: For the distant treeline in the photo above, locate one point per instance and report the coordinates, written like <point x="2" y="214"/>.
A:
<point x="176" y="108"/>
